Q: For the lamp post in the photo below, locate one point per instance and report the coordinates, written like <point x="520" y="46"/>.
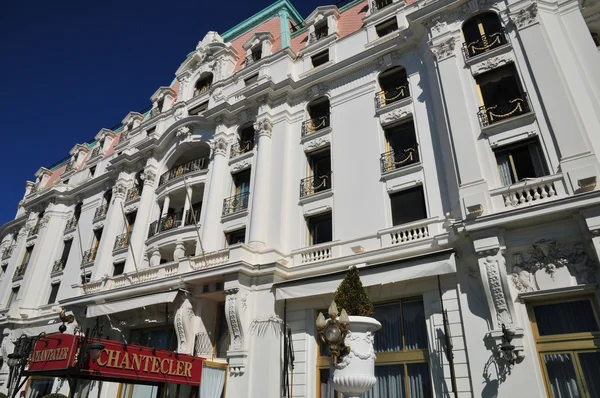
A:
<point x="18" y="360"/>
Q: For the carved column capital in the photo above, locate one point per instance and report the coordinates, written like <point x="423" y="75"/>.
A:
<point x="149" y="176"/>
<point x="120" y="190"/>
<point x="444" y="49"/>
<point x="263" y="127"/>
<point x="525" y="17"/>
<point x="219" y="146"/>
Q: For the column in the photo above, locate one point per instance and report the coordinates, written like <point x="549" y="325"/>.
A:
<point x="187" y="206"/>
<point x="260" y="192"/>
<point x="576" y="158"/>
<point x="140" y="229"/>
<point x="463" y="126"/>
<point x="219" y="168"/>
<point x="165" y="208"/>
<point x="113" y="226"/>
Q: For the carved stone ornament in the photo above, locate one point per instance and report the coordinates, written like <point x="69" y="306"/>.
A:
<point x="495" y="283"/>
<point x="184" y="327"/>
<point x="148" y="176"/>
<point x="30" y="243"/>
<point x="436" y="26"/>
<point x="180" y="112"/>
<point x="241" y="165"/>
<point x="315" y="91"/>
<point x="316" y="143"/>
<point x="68" y="237"/>
<point x="44" y="220"/>
<point x="131" y="208"/>
<point x="525" y="17"/>
<point x="120" y="190"/>
<point x="183" y="132"/>
<point x="394" y="115"/>
<point x="460" y="14"/>
<point x="263" y="127"/>
<point x="537" y="269"/>
<point x="97" y="226"/>
<point x="444" y="49"/>
<point x="219" y="146"/>
<point x="489" y="64"/>
<point x="233" y="319"/>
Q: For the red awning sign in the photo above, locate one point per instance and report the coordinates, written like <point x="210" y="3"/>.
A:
<point x="53" y="353"/>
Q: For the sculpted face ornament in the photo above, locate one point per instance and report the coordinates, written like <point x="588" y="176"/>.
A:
<point x="333" y="331"/>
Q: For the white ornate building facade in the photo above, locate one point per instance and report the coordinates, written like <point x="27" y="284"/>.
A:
<point x="446" y="148"/>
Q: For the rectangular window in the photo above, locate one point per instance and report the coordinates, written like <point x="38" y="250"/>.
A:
<point x="150" y="131"/>
<point x="251" y="80"/>
<point x="501" y="95"/>
<point x="256" y="53"/>
<point x="118" y="268"/>
<point x="321" y="30"/>
<point x="319" y="173"/>
<point x="222" y="333"/>
<point x="320" y="58"/>
<point x="66" y="249"/>
<point x="3" y="268"/>
<point x="241" y="182"/>
<point x="92" y="171"/>
<point x="520" y="161"/>
<point x="27" y="255"/>
<point x="236" y="237"/>
<point x="408" y="206"/>
<point x="14" y="294"/>
<point x="53" y="293"/>
<point x="565" y="332"/>
<point x="200" y="109"/>
<point x="386" y="27"/>
<point x="131" y="221"/>
<point x="401" y="367"/>
<point x="401" y="147"/>
<point x="319" y="229"/>
<point x="86" y="278"/>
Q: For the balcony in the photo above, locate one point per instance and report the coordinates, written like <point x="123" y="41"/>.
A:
<point x="183" y="169"/>
<point x="133" y="193"/>
<point x="7" y="252"/>
<point x="235" y="203"/>
<point x="387" y="97"/>
<point x="377" y="5"/>
<point x="89" y="256"/>
<point x="101" y="211"/>
<point x="410" y="232"/>
<point x="315" y="184"/>
<point x="485" y="43"/>
<point x="530" y="191"/>
<point x="72" y="223"/>
<point x="201" y="90"/>
<point x="317" y="253"/>
<point x="312" y="125"/>
<point x="58" y="266"/>
<point x="393" y="160"/>
<point x="240" y="148"/>
<point x="122" y="241"/>
<point x="172" y="221"/>
<point x="504" y="110"/>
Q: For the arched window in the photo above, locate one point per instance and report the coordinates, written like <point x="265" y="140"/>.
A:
<point x="318" y="116"/>
<point x="245" y="136"/>
<point x="203" y="84"/>
<point x="482" y="32"/>
<point x="394" y="86"/>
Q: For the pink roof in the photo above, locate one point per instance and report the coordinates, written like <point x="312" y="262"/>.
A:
<point x="55" y="176"/>
<point x="111" y="148"/>
<point x="272" y="26"/>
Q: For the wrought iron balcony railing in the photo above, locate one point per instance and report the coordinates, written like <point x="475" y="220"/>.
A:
<point x="485" y="43"/>
<point x="236" y="203"/>
<point x="201" y="90"/>
<point x="70" y="166"/>
<point x="314" y="184"/>
<point x="133" y="193"/>
<point x="89" y="256"/>
<point x="96" y="151"/>
<point x="379" y="4"/>
<point x="7" y="252"/>
<point x="316" y="36"/>
<point x="504" y="110"/>
<point x="191" y="217"/>
<point x="59" y="265"/>
<point x="72" y="223"/>
<point x="122" y="241"/>
<point x="191" y="166"/>
<point x="240" y="148"/>
<point x="386" y="97"/>
<point x="315" y="124"/>
<point x="101" y="211"/>
<point x="396" y="159"/>
<point x="165" y="223"/>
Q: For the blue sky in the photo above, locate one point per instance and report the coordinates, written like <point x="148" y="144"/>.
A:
<point x="70" y="68"/>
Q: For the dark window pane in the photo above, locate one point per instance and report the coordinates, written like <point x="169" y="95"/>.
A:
<point x="320" y="59"/>
<point x="118" y="269"/>
<point x="408" y="206"/>
<point x="563" y="318"/>
<point x="325" y="388"/>
<point x="590" y="366"/>
<point x="236" y="237"/>
<point x="320" y="229"/>
<point x="389" y="337"/>
<point x="53" y="293"/>
<point x="390" y="382"/>
<point x="418" y="380"/>
<point x="561" y="375"/>
<point x="222" y="333"/>
<point x="415" y="330"/>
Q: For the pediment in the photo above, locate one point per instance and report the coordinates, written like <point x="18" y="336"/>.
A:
<point x="78" y="148"/>
<point x="162" y="92"/>
<point x="103" y="133"/>
<point x="321" y="13"/>
<point x="131" y="116"/>
<point x="257" y="38"/>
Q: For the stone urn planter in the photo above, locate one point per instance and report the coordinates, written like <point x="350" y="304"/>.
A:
<point x="354" y="374"/>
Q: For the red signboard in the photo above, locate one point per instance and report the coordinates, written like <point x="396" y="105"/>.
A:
<point x="118" y="362"/>
<point x="53" y="353"/>
<point x="143" y="364"/>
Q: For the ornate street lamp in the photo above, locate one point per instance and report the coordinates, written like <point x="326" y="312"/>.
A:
<point x="90" y="346"/>
<point x="18" y="360"/>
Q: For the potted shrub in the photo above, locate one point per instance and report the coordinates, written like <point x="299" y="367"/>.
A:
<point x="348" y="334"/>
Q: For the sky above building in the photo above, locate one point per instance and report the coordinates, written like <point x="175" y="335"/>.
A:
<point x="70" y="68"/>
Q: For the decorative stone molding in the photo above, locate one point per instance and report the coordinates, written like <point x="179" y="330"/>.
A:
<point x="98" y="225"/>
<point x="179" y="251"/>
<point x="263" y="127"/>
<point x="538" y="268"/>
<point x="30" y="243"/>
<point x="237" y="353"/>
<point x="120" y="190"/>
<point x="444" y="49"/>
<point x="490" y="63"/>
<point x="184" y="327"/>
<point x="218" y="146"/>
<point x="241" y="165"/>
<point x="493" y="275"/>
<point x="525" y="17"/>
<point x="183" y="132"/>
<point x="317" y="143"/>
<point x="67" y="237"/>
<point x="315" y="91"/>
<point x="149" y="176"/>
<point x="180" y="111"/>
<point x="44" y="220"/>
<point x="154" y="257"/>
<point x="395" y="115"/>
<point x="436" y="26"/>
<point x="131" y="208"/>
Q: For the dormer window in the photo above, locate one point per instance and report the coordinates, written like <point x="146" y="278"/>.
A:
<point x="256" y="54"/>
<point x="379" y="4"/>
<point x="257" y="47"/>
<point x="159" y="104"/>
<point x="203" y="84"/>
<point x="321" y="30"/>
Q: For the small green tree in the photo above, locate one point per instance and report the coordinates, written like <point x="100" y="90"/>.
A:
<point x="352" y="296"/>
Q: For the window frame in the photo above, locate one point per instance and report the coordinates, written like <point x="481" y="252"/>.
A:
<point x="309" y="229"/>
<point x="509" y="148"/>
<point x="52" y="292"/>
<point x="229" y="234"/>
<point x="570" y="343"/>
<point x="385" y="25"/>
<point x="399" y="192"/>
<point x="318" y="56"/>
<point x="14" y="296"/>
